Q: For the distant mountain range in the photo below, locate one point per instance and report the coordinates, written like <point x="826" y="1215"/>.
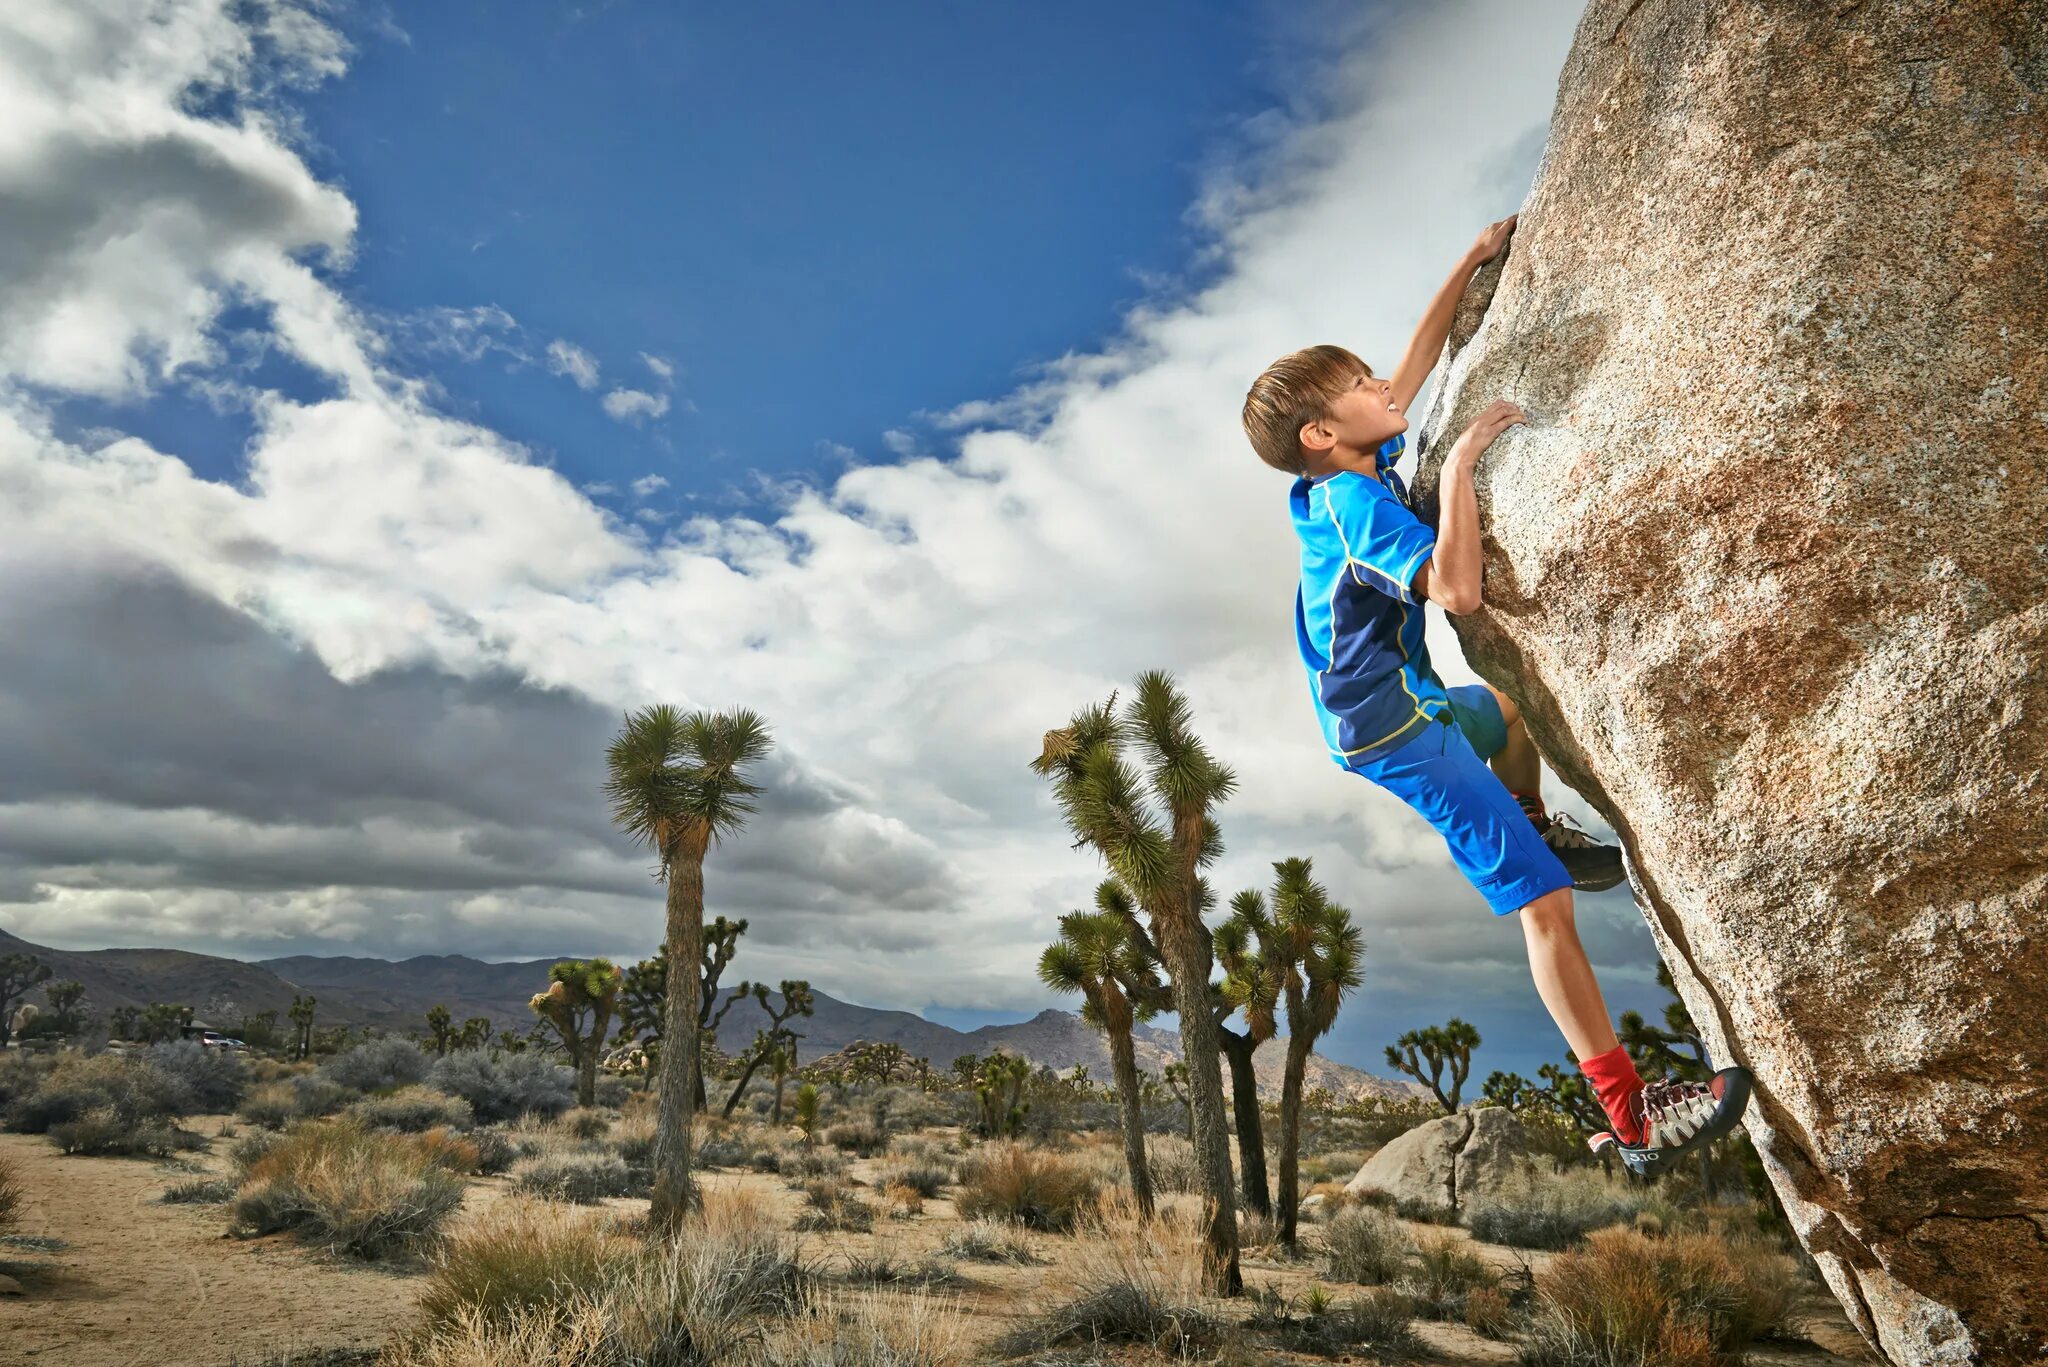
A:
<point x="397" y="995"/>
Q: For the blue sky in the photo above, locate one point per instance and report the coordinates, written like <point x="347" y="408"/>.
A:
<point x="303" y="340"/>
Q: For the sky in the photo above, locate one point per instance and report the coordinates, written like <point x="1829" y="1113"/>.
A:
<point x="393" y="397"/>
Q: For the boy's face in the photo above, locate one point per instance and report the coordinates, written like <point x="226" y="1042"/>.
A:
<point x="1364" y="416"/>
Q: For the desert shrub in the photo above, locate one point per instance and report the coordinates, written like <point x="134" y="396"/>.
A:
<point x="1127" y="1282"/>
<point x="21" y="1073"/>
<point x="1039" y="1189"/>
<point x="503" y="1087"/>
<point x="808" y="1164"/>
<point x="1338" y="1165"/>
<point x="586" y="1122"/>
<point x="1171" y="1161"/>
<point x="315" y="1095"/>
<point x="765" y="1158"/>
<point x="518" y="1254"/>
<point x="527" y="1290"/>
<point x="880" y="1266"/>
<point x="904" y="1201"/>
<point x="926" y="1178"/>
<point x="211" y="1080"/>
<point x="450" y="1149"/>
<point x="1364" y="1245"/>
<point x="1425" y="1212"/>
<point x="1378" y="1321"/>
<point x="200" y="1191"/>
<point x="1487" y="1312"/>
<point x="1444" y="1271"/>
<point x="103" y="1131"/>
<point x="1691" y="1300"/>
<point x="378" y="1065"/>
<point x="723" y="1151"/>
<point x="251" y="1147"/>
<point x="1533" y="1209"/>
<point x="860" y="1137"/>
<point x="989" y="1241"/>
<point x="582" y="1176"/>
<point x="271" y="1105"/>
<point x="365" y="1193"/>
<point x="868" y="1328"/>
<point x="412" y="1110"/>
<point x="11" y="1194"/>
<point x="830" y="1204"/>
<point x="495" y="1151"/>
<point x="130" y="1090"/>
<point x="1255" y="1230"/>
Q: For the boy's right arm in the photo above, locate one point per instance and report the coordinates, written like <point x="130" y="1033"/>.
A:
<point x="1450" y="577"/>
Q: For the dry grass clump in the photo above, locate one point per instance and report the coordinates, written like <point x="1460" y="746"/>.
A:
<point x="1171" y="1161"/>
<point x="802" y="1165"/>
<point x="989" y="1241"/>
<point x="1536" y="1209"/>
<point x="1488" y="1313"/>
<point x="1128" y="1281"/>
<point x="1629" y="1300"/>
<point x="1036" y="1188"/>
<point x="904" y="1201"/>
<point x="1339" y="1166"/>
<point x="583" y="1176"/>
<point x="1377" y="1320"/>
<point x="863" y="1138"/>
<point x="1366" y="1246"/>
<point x="925" y="1177"/>
<point x="831" y="1204"/>
<point x="585" y="1123"/>
<point x="199" y="1191"/>
<point x="585" y="1295"/>
<point x="11" y="1194"/>
<point x="412" y="1110"/>
<point x="1445" y="1271"/>
<point x="869" y="1329"/>
<point x="105" y="1131"/>
<point x="273" y="1105"/>
<point x="369" y="1194"/>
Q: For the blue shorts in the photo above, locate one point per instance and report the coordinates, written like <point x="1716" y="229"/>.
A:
<point x="1443" y="775"/>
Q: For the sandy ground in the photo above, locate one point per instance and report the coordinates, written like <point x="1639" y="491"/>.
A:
<point x="142" y="1284"/>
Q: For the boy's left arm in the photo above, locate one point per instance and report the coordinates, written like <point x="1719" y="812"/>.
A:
<point x="1428" y="342"/>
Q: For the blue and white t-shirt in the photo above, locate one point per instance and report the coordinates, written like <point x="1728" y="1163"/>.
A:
<point x="1356" y="617"/>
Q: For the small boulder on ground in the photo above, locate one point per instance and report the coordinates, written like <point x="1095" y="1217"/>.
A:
<point x="1447" y="1163"/>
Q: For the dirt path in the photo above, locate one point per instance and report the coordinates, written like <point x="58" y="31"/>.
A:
<point x="142" y="1284"/>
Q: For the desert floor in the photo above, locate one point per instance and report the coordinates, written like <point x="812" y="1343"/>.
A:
<point x="132" y="1282"/>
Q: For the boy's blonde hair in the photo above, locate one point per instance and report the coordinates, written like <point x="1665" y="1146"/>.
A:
<point x="1296" y="390"/>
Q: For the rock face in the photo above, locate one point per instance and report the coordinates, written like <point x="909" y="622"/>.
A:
<point x="1767" y="573"/>
<point x="1450" y="1162"/>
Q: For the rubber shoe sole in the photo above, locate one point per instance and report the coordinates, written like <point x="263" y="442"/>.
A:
<point x="1593" y="868"/>
<point x="1731" y="1088"/>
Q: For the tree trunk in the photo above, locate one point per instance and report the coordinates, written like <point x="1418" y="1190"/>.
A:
<point x="780" y="1078"/>
<point x="586" y="1076"/>
<point x="1298" y="1044"/>
<point x="673" y="1195"/>
<point x="746" y="1076"/>
<point x="1123" y="1064"/>
<point x="1251" y="1128"/>
<point x="1186" y="950"/>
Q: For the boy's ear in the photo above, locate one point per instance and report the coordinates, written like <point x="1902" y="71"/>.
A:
<point x="1316" y="437"/>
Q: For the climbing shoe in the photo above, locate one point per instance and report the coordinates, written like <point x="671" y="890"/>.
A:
<point x="1594" y="867"/>
<point x="1676" y="1117"/>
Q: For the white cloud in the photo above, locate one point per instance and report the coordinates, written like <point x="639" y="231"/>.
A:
<point x="566" y="358"/>
<point x="634" y="405"/>
<point x="662" y="369"/>
<point x="648" y="484"/>
<point x="910" y="630"/>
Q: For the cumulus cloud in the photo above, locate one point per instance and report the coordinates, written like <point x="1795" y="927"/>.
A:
<point x="566" y="358"/>
<point x="648" y="484"/>
<point x="634" y="405"/>
<point x="385" y="666"/>
<point x="662" y="369"/>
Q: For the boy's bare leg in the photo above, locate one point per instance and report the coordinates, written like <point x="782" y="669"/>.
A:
<point x="1517" y="765"/>
<point x="1564" y="976"/>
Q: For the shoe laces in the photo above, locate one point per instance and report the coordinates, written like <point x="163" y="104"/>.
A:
<point x="1563" y="831"/>
<point x="1668" y="1100"/>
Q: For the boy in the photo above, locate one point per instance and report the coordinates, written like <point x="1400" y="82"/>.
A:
<point x="1368" y="565"/>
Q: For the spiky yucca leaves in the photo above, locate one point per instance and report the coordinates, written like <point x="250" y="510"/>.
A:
<point x="578" y="1003"/>
<point x="1099" y="955"/>
<point x="1310" y="946"/>
<point x="1152" y="826"/>
<point x="1251" y="986"/>
<point x="676" y="782"/>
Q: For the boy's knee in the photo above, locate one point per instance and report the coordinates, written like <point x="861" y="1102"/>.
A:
<point x="1510" y="714"/>
<point x="1549" y="913"/>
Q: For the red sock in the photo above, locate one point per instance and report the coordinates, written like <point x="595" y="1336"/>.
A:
<point x="1529" y="800"/>
<point x="1614" y="1078"/>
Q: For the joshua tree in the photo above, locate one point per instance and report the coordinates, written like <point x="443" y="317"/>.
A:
<point x="807" y="1112"/>
<point x="966" y="1068"/>
<point x="301" y="1014"/>
<point x="1175" y="1077"/>
<point x="1316" y="949"/>
<point x="644" y="1000"/>
<point x="164" y="1021"/>
<point x="1449" y="1045"/>
<point x="1001" y="1094"/>
<point x="1657" y="1051"/>
<point x="781" y="1062"/>
<point x="1098" y="956"/>
<point x="578" y="1003"/>
<point x="676" y="784"/>
<point x="1511" y="1090"/>
<point x="18" y="973"/>
<point x="259" y="1029"/>
<point x="125" y="1022"/>
<point x="1155" y="833"/>
<point x="778" y="1038"/>
<point x="66" y="1000"/>
<point x="475" y="1033"/>
<point x="1251" y="983"/>
<point x="440" y="1028"/>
